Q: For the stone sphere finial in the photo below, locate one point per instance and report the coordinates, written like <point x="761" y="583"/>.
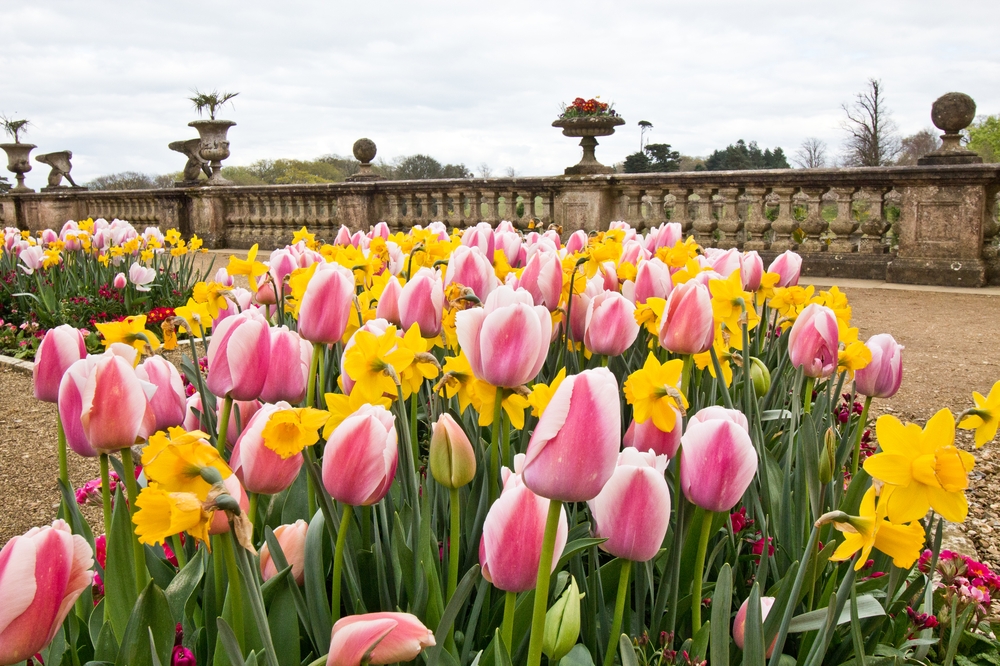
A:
<point x="364" y="150"/>
<point x="953" y="112"/>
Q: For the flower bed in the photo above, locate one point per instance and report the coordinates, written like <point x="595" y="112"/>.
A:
<point x="395" y="439"/>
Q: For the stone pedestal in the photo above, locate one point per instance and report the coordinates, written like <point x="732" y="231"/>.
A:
<point x="952" y="113"/>
<point x="584" y="204"/>
<point x="364" y="152"/>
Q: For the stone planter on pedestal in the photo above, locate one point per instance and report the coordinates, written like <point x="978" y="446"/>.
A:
<point x="17" y="163"/>
<point x="214" y="146"/>
<point x="588" y="127"/>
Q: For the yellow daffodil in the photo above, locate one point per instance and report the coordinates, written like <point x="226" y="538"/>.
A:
<point x="162" y="514"/>
<point x="174" y="461"/>
<point x="249" y="267"/>
<point x="304" y="235"/>
<point x="196" y="316"/>
<point x="424" y="365"/>
<point x="363" y="310"/>
<point x="340" y="406"/>
<point x="654" y="391"/>
<point x="649" y="314"/>
<point x="853" y="357"/>
<point x="690" y="270"/>
<point x="789" y="302"/>
<point x="131" y="331"/>
<point x="541" y="394"/>
<point x="679" y="254"/>
<point x="196" y="243"/>
<point x="901" y="542"/>
<point x="132" y="246"/>
<point x="212" y="295"/>
<point x="298" y="280"/>
<point x="375" y="363"/>
<point x="52" y="257"/>
<point x="836" y="300"/>
<point x="985" y="417"/>
<point x="172" y="237"/>
<point x="704" y="360"/>
<point x="86" y="225"/>
<point x="179" y="250"/>
<point x="731" y="305"/>
<point x="458" y="380"/>
<point x="146" y="256"/>
<point x="485" y="398"/>
<point x="104" y="259"/>
<point x="924" y="465"/>
<point x="288" y="431"/>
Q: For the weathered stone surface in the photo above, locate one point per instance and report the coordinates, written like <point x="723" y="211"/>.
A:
<point x="61" y="165"/>
<point x="952" y="112"/>
<point x="18" y="163"/>
<point x="364" y="151"/>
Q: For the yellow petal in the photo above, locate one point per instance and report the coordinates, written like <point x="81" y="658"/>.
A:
<point x="852" y="544"/>
<point x="903" y="543"/>
<point x="909" y="503"/>
<point x="952" y="506"/>
<point x="890" y="468"/>
<point x="939" y="431"/>
<point x="893" y="436"/>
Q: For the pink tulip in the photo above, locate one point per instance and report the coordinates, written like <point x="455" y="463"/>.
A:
<point x="288" y="367"/>
<point x="469" y="267"/>
<point x="751" y="270"/>
<point x="141" y="276"/>
<point x="880" y="378"/>
<point x="787" y="265"/>
<point x="265" y="291"/>
<point x="719" y="413"/>
<point x="506" y="341"/>
<point x="61" y="347"/>
<point x="359" y="462"/>
<point x="71" y="406"/>
<point x="688" y="325"/>
<point x="740" y="623"/>
<point x="380" y="230"/>
<point x="168" y="403"/>
<point x="665" y="235"/>
<point x="388" y="302"/>
<point x="813" y="341"/>
<point x="377" y="638"/>
<point x="480" y="236"/>
<point x="632" y="511"/>
<point x="577" y="241"/>
<point x="282" y="262"/>
<point x="634" y="253"/>
<point x="718" y="462"/>
<point x="647" y="437"/>
<point x="292" y="539"/>
<point x="48" y="236"/>
<point x="120" y="281"/>
<point x="512" y="246"/>
<point x="421" y="302"/>
<point x="581" y="303"/>
<point x="343" y="237"/>
<point x="220" y="520"/>
<point x="511" y="545"/>
<point x="610" y="326"/>
<point x="42" y="574"/>
<point x="652" y="280"/>
<point x="238" y="300"/>
<point x="239" y="418"/>
<point x="259" y="468"/>
<point x="326" y="304"/>
<point x="726" y="262"/>
<point x="553" y="237"/>
<point x="573" y="450"/>
<point x="223" y="277"/>
<point x="609" y="276"/>
<point x="238" y="356"/>
<point x="542" y="278"/>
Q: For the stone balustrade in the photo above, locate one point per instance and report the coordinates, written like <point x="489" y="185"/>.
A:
<point x="922" y="224"/>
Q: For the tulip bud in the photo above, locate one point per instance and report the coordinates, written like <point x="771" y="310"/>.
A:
<point x="326" y="304"/>
<point x="292" y="539"/>
<point x="562" y="624"/>
<point x="61" y="347"/>
<point x="740" y="623"/>
<point x="452" y="459"/>
<point x="813" y="341"/>
<point x="688" y="325"/>
<point x="760" y="376"/>
<point x="883" y="375"/>
<point x="787" y="265"/>
<point x="421" y="302"/>
<point x="120" y="281"/>
<point x="610" y="326"/>
<point x="828" y="457"/>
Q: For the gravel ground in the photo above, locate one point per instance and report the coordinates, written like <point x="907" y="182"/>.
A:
<point x="951" y="350"/>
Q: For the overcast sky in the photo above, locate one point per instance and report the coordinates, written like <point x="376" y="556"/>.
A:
<point x="475" y="82"/>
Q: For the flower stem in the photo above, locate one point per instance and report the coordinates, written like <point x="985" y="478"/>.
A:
<point x="686" y="373"/>
<point x="542" y="584"/>
<point x="106" y="494"/>
<point x="235" y="588"/>
<point x="175" y="543"/>
<point x="454" y="544"/>
<point x="807" y="395"/>
<point x="63" y="463"/>
<point x="223" y="431"/>
<point x="507" y="630"/>
<point x="319" y="349"/>
<point x="338" y="561"/>
<point x="495" y="445"/>
<point x="699" y="570"/>
<point x="313" y="367"/>
<point x="616" y="624"/>
<point x="857" y="437"/>
<point x="414" y="443"/>
<point x="141" y="575"/>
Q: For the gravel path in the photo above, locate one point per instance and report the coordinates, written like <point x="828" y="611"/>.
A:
<point x="952" y="348"/>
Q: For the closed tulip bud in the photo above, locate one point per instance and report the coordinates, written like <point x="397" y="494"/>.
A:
<point x="652" y="280"/>
<point x="813" y="342"/>
<point x="542" y="278"/>
<point x="470" y="267"/>
<point x="574" y="447"/>
<point x="510" y="243"/>
<point x="292" y="539"/>
<point x="506" y="341"/>
<point x="665" y="235"/>
<point x="482" y="237"/>
<point x="120" y="281"/>
<point x="647" y="437"/>
<point x="688" y="325"/>
<point x="238" y="356"/>
<point x="610" y="326"/>
<point x="740" y="623"/>
<point x="828" y="456"/>
<point x="61" y="347"/>
<point x="42" y="574"/>
<point x="632" y="511"/>
<point x="326" y="304"/>
<point x="282" y="262"/>
<point x="220" y="520"/>
<point x="168" y="402"/>
<point x="388" y="302"/>
<point x="452" y="459"/>
<point x="511" y="546"/>
<point x="725" y="262"/>
<point x="751" y="270"/>
<point x="377" y="638"/>
<point x="288" y="367"/>
<point x="259" y="468"/>
<point x="577" y="241"/>
<point x="880" y="378"/>
<point x="359" y="462"/>
<point x="562" y="623"/>
<point x="265" y="294"/>
<point x="787" y="265"/>
<point x="760" y="376"/>
<point x="718" y="461"/>
<point x="421" y="302"/>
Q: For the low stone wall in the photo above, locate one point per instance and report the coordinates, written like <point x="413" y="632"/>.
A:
<point x="921" y="225"/>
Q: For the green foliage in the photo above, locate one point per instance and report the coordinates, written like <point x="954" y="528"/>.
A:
<point x="984" y="137"/>
<point x="211" y="101"/>
<point x="132" y="180"/>
<point x="742" y="156"/>
<point x="14" y="128"/>
<point x="420" y="167"/>
<point x="654" y="158"/>
<point x="4" y="185"/>
<point x="285" y="172"/>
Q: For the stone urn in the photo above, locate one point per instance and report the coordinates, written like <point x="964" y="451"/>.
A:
<point x="214" y="146"/>
<point x="952" y="112"/>
<point x="17" y="162"/>
<point x="588" y="127"/>
<point x="364" y="151"/>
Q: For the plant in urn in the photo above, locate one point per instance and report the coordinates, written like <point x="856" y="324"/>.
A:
<point x="214" y="143"/>
<point x="588" y="118"/>
<point x="17" y="152"/>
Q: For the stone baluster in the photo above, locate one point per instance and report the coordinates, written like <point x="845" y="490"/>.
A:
<point x="670" y="207"/>
<point x="729" y="223"/>
<point x="489" y="212"/>
<point x="545" y="214"/>
<point x="510" y="200"/>
<point x="703" y="223"/>
<point x="844" y="224"/>
<point x="633" y="205"/>
<point x="392" y="212"/>
<point x="422" y="209"/>
<point x="451" y="208"/>
<point x="784" y="225"/>
<point x="470" y="199"/>
<point x="656" y="214"/>
<point x="813" y="225"/>
<point x="873" y="223"/>
<point x="681" y="208"/>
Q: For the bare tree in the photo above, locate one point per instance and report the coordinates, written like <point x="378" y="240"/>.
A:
<point x="917" y="145"/>
<point x="811" y="154"/>
<point x="511" y="172"/>
<point x="872" y="136"/>
<point x="485" y="171"/>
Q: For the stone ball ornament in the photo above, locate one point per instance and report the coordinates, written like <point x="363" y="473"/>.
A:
<point x="953" y="112"/>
